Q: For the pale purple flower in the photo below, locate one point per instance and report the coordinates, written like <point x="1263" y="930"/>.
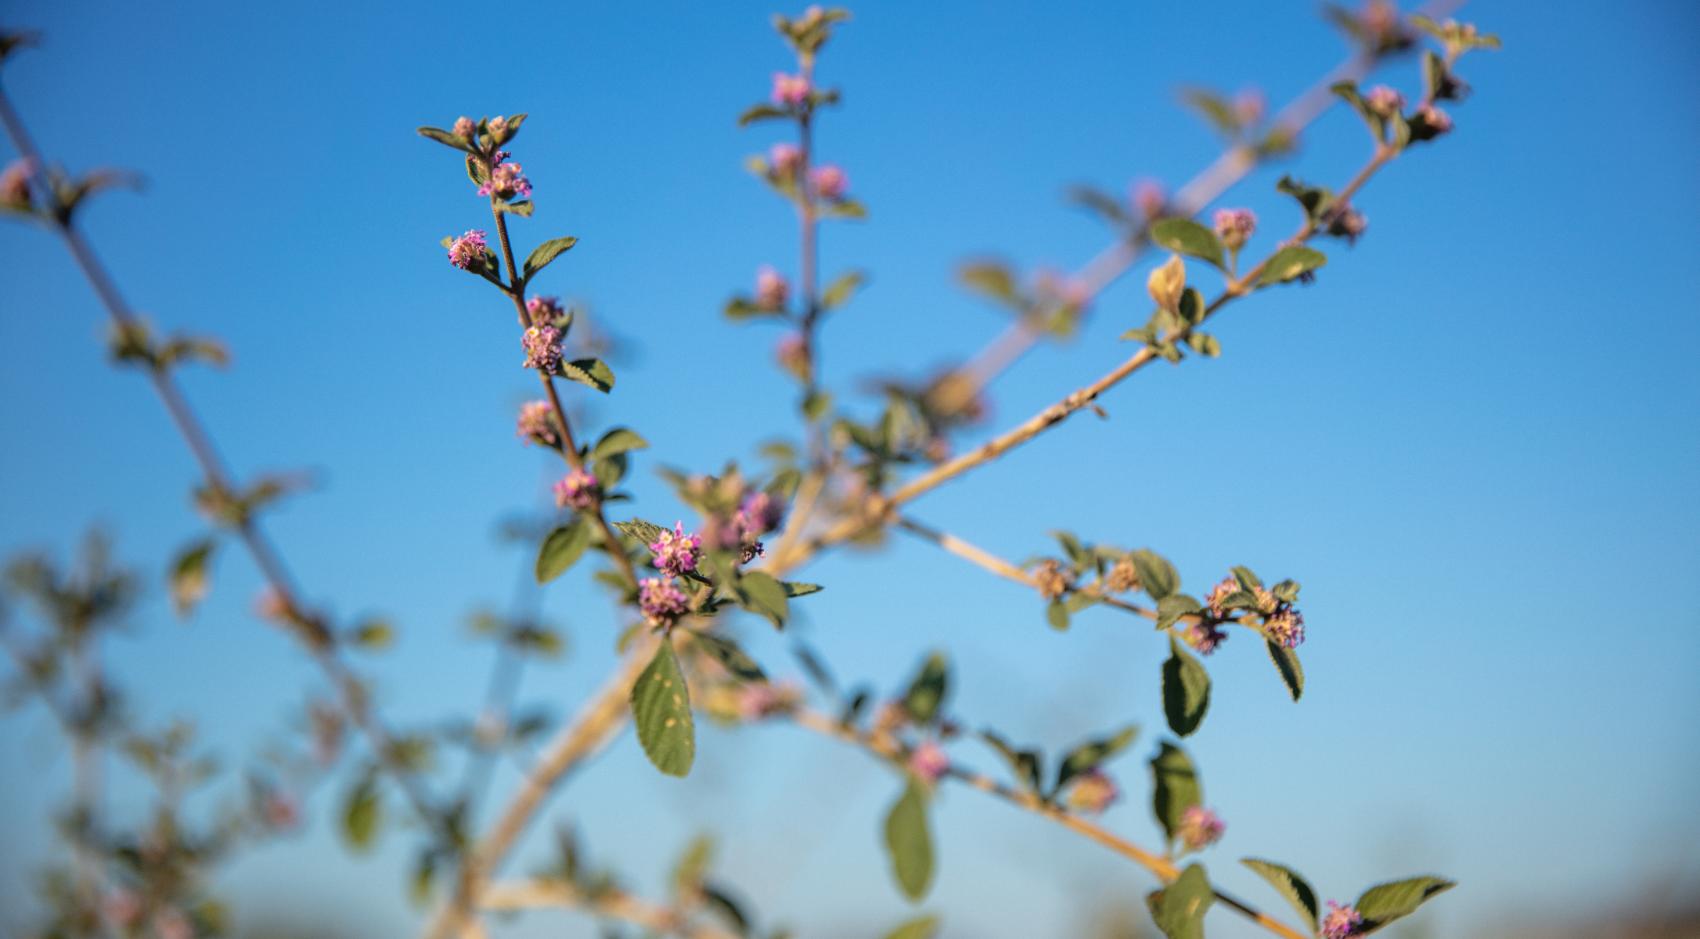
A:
<point x="792" y="354"/>
<point x="1204" y="637"/>
<point x="928" y="762"/>
<point x="661" y="602"/>
<point x="465" y="128"/>
<point x="676" y="552"/>
<point x="1092" y="792"/>
<point x="1222" y="591"/>
<point x="1235" y="227"/>
<point x="577" y="490"/>
<point x="15" y="182"/>
<point x="771" y="289"/>
<point x="542" y="348"/>
<point x="506" y="180"/>
<point x="785" y="158"/>
<point x="467" y="250"/>
<point x="1341" y="921"/>
<point x="829" y="182"/>
<point x="760" y="699"/>
<point x="1437" y="121"/>
<point x="790" y="90"/>
<point x="1286" y="627"/>
<point x="1149" y="199"/>
<point x="760" y="513"/>
<point x="1384" y="101"/>
<point x="498" y="126"/>
<point x="537" y="423"/>
<point x="1200" y="828"/>
<point x="544" y="309"/>
<point x="1348" y="223"/>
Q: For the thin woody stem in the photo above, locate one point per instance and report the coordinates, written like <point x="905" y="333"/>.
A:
<point x="350" y="690"/>
<point x="611" y="903"/>
<point x="887" y="749"/>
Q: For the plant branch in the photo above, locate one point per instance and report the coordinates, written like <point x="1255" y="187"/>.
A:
<point x="607" y="903"/>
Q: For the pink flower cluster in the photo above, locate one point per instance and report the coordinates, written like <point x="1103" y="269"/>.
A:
<point x="760" y="699"/>
<point x="1286" y="627"/>
<point x="15" y="183"/>
<point x="1235" y="227"/>
<point x="577" y="490"/>
<point x="506" y="180"/>
<point x="1341" y="921"/>
<point x="785" y="159"/>
<point x="791" y="91"/>
<point x="928" y="762"/>
<point x="467" y="250"/>
<point x="542" y="348"/>
<point x="1092" y="792"/>
<point x="537" y="423"/>
<point x="544" y="309"/>
<point x="1204" y="636"/>
<point x="661" y="603"/>
<point x="1200" y="828"/>
<point x="676" y="553"/>
<point x="1384" y="101"/>
<point x="771" y="289"/>
<point x="829" y="182"/>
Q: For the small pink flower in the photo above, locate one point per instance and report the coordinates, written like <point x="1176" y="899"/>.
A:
<point x="498" y="125"/>
<point x="1341" y="921"/>
<point x="15" y="183"/>
<point x="1286" y="627"/>
<point x="1200" y="828"/>
<point x="661" y="602"/>
<point x="544" y="310"/>
<point x="785" y="158"/>
<point x="506" y="180"/>
<point x="537" y="423"/>
<point x="467" y="250"/>
<point x="760" y="699"/>
<point x="1222" y="591"/>
<point x="281" y="812"/>
<point x="1384" y="101"/>
<point x="771" y="289"/>
<point x="792" y="353"/>
<point x="464" y="128"/>
<point x="1149" y="199"/>
<point x="676" y="553"/>
<point x="1438" y="121"/>
<point x="759" y="514"/>
<point x="829" y="182"/>
<point x="928" y="762"/>
<point x="542" y="348"/>
<point x="1235" y="227"/>
<point x="1204" y="637"/>
<point x="1092" y="792"/>
<point x="790" y="90"/>
<point x="577" y="490"/>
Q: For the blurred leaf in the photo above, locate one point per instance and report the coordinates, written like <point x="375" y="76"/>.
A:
<point x="927" y="690"/>
<point x="372" y="634"/>
<point x="189" y="575"/>
<point x="1186" y="690"/>
<point x="761" y="112"/>
<point x="618" y="440"/>
<point x="443" y="137"/>
<point x="641" y="531"/>
<point x="1157" y="576"/>
<point x="761" y="593"/>
<point x="1290" y="885"/>
<point x="1174" y="606"/>
<point x="1185" y="236"/>
<point x="1178" y="909"/>
<point x="923" y="927"/>
<point x="362" y="812"/>
<point x="1290" y="262"/>
<point x="561" y="549"/>
<point x="992" y="280"/>
<point x="1089" y="756"/>
<point x="908" y="842"/>
<point x="1027" y="764"/>
<point x="1176" y="787"/>
<point x="840" y="290"/>
<point x="731" y="655"/>
<point x="693" y="865"/>
<point x="661" y="708"/>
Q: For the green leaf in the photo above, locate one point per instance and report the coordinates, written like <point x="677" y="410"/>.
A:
<point x="992" y="280"/>
<point x="1089" y="756"/>
<point x="760" y="593"/>
<point x="523" y="208"/>
<point x="641" y="531"/>
<point x="1204" y="344"/>
<point x="444" y="137"/>
<point x="1157" y="576"/>
<point x="923" y="927"/>
<point x="1247" y="580"/>
<point x="1290" y="262"/>
<point x="1289" y="885"/>
<point x="372" y="634"/>
<point x="1384" y="903"/>
<point x="844" y="208"/>
<point x="1315" y="200"/>
<point x="561" y="548"/>
<point x="592" y="372"/>
<point x="618" y="440"/>
<point x="1287" y="663"/>
<point x="731" y="655"/>
<point x="1192" y="306"/>
<point x="541" y="255"/>
<point x="1185" y="236"/>
<point x="927" y="691"/>
<point x="1174" y="606"/>
<point x="798" y="589"/>
<point x="1025" y="763"/>
<point x="840" y="290"/>
<point x="908" y="842"/>
<point x="692" y="865"/>
<point x="1056" y="614"/>
<point x="1186" y="690"/>
<point x="1215" y="109"/>
<point x="362" y="812"/>
<point x="740" y="308"/>
<point x="1348" y="92"/>
<point x="761" y="112"/>
<point x="1176" y="787"/>
<point x="189" y="576"/>
<point x="661" y="708"/>
<point x="1179" y="908"/>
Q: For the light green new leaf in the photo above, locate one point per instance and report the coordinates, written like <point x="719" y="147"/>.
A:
<point x="924" y="927"/>
<point x="561" y="548"/>
<point x="362" y="812"/>
<point x="1179" y="908"/>
<point x="189" y="576"/>
<point x="908" y="842"/>
<point x="1289" y="885"/>
<point x="661" y="709"/>
<point x="840" y="290"/>
<point x="1185" y="236"/>
<point x="541" y="255"/>
<point x="1186" y="690"/>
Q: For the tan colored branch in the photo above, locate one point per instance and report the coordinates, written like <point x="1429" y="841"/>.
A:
<point x="610" y="903"/>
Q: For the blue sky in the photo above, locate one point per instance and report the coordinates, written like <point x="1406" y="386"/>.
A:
<point x="1471" y="433"/>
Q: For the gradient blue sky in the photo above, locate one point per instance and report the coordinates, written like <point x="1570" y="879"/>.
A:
<point x="1472" y="432"/>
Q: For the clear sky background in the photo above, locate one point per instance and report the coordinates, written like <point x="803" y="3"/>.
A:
<point x="1473" y="439"/>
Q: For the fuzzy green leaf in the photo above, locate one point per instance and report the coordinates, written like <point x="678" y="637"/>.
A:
<point x="594" y="373"/>
<point x="731" y="655"/>
<point x="927" y="691"/>
<point x="840" y="290"/>
<point x="541" y="255"/>
<point x="1178" y="909"/>
<point x="1186" y="690"/>
<point x="762" y="594"/>
<point x="1290" y="262"/>
<point x="1092" y="754"/>
<point x="1384" y="903"/>
<point x="1287" y="664"/>
<point x="618" y="440"/>
<point x="908" y="843"/>
<point x="924" y="927"/>
<point x="661" y="709"/>
<point x="189" y="576"/>
<point x="1185" y="236"/>
<point x="1289" y="885"/>
<point x="561" y="548"/>
<point x="1176" y="787"/>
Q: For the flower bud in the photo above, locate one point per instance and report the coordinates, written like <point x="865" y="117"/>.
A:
<point x="1341" y="921"/>
<point x="784" y="158"/>
<point x="1384" y="101"/>
<point x="1167" y="283"/>
<point x="771" y="289"/>
<point x="577" y="490"/>
<point x="928" y="762"/>
<point x="1200" y="828"/>
<point x="1149" y="199"/>
<point x="829" y="182"/>
<point x="1235" y="227"/>
<point x="661" y="602"/>
<point x="1052" y="580"/>
<point x="15" y="184"/>
<point x="542" y="345"/>
<point x="1092" y="792"/>
<point x="790" y="90"/>
<point x="792" y="353"/>
<point x="464" y="128"/>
